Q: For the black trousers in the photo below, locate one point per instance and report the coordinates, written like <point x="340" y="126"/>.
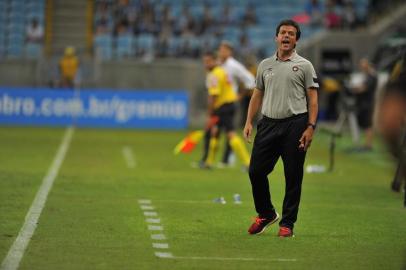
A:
<point x="278" y="138"/>
<point x="226" y="123"/>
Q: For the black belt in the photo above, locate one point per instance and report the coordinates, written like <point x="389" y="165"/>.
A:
<point x="295" y="116"/>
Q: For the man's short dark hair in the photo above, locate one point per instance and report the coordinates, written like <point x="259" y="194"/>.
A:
<point x="291" y="23"/>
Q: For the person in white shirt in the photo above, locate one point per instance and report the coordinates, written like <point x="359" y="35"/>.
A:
<point x="239" y="75"/>
<point x="34" y="32"/>
<point x="237" y="71"/>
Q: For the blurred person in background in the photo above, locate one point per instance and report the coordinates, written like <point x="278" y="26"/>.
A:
<point x="249" y="16"/>
<point x="34" y="32"/>
<point x="314" y="9"/>
<point x="104" y="19"/>
<point x="392" y="122"/>
<point x="332" y="18"/>
<point x="69" y="68"/>
<point x="349" y="17"/>
<point x="237" y="73"/>
<point x="221" y="106"/>
<point x="365" y="100"/>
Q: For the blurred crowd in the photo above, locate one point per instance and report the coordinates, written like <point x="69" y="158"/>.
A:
<point x="166" y="25"/>
<point x="334" y="14"/>
<point x="186" y="28"/>
<point x="143" y="16"/>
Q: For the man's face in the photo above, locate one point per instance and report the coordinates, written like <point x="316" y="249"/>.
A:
<point x="286" y="38"/>
<point x="223" y="53"/>
<point x="209" y="62"/>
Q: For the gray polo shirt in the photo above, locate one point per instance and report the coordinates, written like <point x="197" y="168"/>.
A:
<point x="285" y="84"/>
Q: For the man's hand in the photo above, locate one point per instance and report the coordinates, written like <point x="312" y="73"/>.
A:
<point x="306" y="139"/>
<point x="247" y="132"/>
<point x="212" y="121"/>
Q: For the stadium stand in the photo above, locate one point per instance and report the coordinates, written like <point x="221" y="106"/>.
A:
<point x="15" y="17"/>
<point x="179" y="28"/>
<point x="201" y="25"/>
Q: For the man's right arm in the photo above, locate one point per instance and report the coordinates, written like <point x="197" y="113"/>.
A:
<point x="255" y="104"/>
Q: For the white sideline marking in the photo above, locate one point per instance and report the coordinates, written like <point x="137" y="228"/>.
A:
<point x="16" y="252"/>
<point x="144" y="201"/>
<point x="160" y="245"/>
<point x="158" y="236"/>
<point x="147" y="207"/>
<point x="164" y="255"/>
<point x="153" y="220"/>
<point x="233" y="259"/>
<point x="150" y="214"/>
<point x="155" y="228"/>
<point x="129" y="157"/>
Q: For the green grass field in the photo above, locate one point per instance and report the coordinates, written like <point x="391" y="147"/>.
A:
<point x="92" y="219"/>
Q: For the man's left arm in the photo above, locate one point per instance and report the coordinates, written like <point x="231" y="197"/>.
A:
<point x="312" y="85"/>
<point x="313" y="108"/>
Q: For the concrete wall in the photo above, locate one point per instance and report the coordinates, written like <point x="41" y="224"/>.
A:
<point x="15" y="72"/>
<point x="360" y="44"/>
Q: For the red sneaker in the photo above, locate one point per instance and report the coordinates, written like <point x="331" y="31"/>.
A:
<point x="261" y="224"/>
<point x="285" y="232"/>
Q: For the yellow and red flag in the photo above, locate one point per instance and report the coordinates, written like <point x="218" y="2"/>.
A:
<point x="188" y="144"/>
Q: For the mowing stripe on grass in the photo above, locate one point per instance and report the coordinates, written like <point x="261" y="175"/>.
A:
<point x="169" y="255"/>
<point x="129" y="157"/>
<point x="233" y="259"/>
<point x="186" y="201"/>
<point x="16" y="252"/>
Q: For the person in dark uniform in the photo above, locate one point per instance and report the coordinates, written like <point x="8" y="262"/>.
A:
<point x="365" y="97"/>
<point x="286" y="88"/>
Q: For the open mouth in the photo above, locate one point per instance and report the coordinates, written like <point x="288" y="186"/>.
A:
<point x="285" y="42"/>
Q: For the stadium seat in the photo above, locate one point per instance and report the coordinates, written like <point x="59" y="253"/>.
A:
<point x="103" y="46"/>
<point x="174" y="44"/>
<point x="145" y="44"/>
<point x="33" y="50"/>
<point x="232" y="34"/>
<point x="14" y="50"/>
<point x="124" y="46"/>
<point x="16" y="38"/>
<point x="2" y="45"/>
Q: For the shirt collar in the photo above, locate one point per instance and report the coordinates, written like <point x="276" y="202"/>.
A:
<point x="291" y="57"/>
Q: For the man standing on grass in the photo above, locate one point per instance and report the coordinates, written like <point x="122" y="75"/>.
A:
<point x="286" y="88"/>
